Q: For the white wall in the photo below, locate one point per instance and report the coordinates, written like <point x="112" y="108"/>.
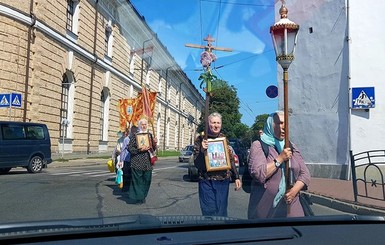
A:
<point x="367" y="70"/>
<point x="320" y="118"/>
<point x="318" y="86"/>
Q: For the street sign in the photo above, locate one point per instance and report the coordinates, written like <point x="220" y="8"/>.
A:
<point x="16" y="100"/>
<point x="5" y="100"/>
<point x="272" y="91"/>
<point x="363" y="98"/>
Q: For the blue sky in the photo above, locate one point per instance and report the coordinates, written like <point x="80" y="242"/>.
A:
<point x="242" y="25"/>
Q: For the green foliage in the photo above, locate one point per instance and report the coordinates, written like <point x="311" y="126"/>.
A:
<point x="224" y="100"/>
<point x="207" y="77"/>
<point x="258" y="124"/>
<point x="168" y="153"/>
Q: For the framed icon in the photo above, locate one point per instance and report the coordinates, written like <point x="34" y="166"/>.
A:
<point x="142" y="140"/>
<point x="217" y="155"/>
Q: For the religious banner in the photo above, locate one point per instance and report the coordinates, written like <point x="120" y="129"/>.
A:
<point x="144" y="106"/>
<point x="126" y="111"/>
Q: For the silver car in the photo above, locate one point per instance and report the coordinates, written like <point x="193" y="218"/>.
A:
<point x="186" y="153"/>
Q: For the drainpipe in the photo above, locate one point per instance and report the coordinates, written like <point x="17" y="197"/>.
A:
<point x="348" y="39"/>
<point x="92" y="79"/>
<point x="143" y="53"/>
<point x="180" y="111"/>
<point x="28" y="63"/>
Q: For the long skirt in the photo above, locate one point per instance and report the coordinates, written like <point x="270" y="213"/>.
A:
<point x="213" y="197"/>
<point x="140" y="184"/>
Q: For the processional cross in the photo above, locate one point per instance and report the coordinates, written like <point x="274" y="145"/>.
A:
<point x="207" y="57"/>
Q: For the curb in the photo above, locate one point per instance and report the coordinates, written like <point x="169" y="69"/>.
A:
<point x="344" y="206"/>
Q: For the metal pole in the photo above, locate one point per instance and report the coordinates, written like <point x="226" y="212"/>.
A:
<point x="62" y="152"/>
<point x="141" y="74"/>
<point x="288" y="176"/>
<point x="286" y="123"/>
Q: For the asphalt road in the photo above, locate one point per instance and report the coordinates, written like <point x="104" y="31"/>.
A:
<point x="88" y="190"/>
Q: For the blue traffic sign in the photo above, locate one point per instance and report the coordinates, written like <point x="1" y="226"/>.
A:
<point x="272" y="91"/>
<point x="5" y="100"/>
<point x="16" y="100"/>
<point x="363" y="98"/>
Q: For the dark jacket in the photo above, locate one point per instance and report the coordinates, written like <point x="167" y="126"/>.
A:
<point x="200" y="163"/>
<point x="140" y="160"/>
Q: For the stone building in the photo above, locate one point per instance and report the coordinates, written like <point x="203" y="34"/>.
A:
<point x="71" y="61"/>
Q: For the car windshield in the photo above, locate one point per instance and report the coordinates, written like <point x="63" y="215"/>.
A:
<point x="189" y="148"/>
<point x="103" y="101"/>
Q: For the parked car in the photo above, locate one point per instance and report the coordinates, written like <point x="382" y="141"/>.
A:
<point x="186" y="153"/>
<point x="25" y="145"/>
<point x="236" y="158"/>
<point x="193" y="171"/>
<point x="240" y="150"/>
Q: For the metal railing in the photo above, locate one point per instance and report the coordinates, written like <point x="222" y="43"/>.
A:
<point x="368" y="174"/>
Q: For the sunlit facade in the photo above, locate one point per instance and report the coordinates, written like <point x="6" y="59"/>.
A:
<point x="71" y="61"/>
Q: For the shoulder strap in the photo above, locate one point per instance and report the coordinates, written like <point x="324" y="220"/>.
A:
<point x="265" y="148"/>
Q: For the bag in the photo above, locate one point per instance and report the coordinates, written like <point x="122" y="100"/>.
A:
<point x="246" y="177"/>
<point x="153" y="160"/>
<point x="119" y="178"/>
<point x="153" y="157"/>
<point x="110" y="166"/>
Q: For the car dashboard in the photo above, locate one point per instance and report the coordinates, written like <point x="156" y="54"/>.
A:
<point x="147" y="229"/>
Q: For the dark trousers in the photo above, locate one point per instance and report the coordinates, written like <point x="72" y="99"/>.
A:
<point x="213" y="197"/>
<point x="127" y="175"/>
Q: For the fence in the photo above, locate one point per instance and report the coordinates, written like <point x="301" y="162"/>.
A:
<point x="368" y="174"/>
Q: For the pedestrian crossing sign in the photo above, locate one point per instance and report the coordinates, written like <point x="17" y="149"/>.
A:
<point x="5" y="100"/>
<point x="10" y="100"/>
<point x="16" y="100"/>
<point x="363" y="98"/>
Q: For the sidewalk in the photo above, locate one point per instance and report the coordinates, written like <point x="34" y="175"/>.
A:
<point x="338" y="194"/>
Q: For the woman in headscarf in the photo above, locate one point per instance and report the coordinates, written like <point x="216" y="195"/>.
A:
<point x="141" y="166"/>
<point x="214" y="185"/>
<point x="268" y="197"/>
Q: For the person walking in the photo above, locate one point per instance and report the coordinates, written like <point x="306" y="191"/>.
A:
<point x="141" y="166"/>
<point x="213" y="185"/>
<point x="125" y="157"/>
<point x="269" y="197"/>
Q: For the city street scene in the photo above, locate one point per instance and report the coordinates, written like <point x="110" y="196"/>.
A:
<point x="191" y="122"/>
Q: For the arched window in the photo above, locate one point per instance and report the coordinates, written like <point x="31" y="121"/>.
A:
<point x="104" y="108"/>
<point x="67" y="103"/>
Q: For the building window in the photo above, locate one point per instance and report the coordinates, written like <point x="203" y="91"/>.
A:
<point x="67" y="103"/>
<point x="176" y="135"/>
<point x="64" y="102"/>
<point x="102" y="108"/>
<point x="108" y="39"/>
<point x="72" y="16"/>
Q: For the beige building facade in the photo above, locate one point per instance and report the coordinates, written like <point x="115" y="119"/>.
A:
<point x="72" y="60"/>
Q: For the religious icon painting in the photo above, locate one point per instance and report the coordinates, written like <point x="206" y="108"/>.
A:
<point x="142" y="140"/>
<point x="217" y="155"/>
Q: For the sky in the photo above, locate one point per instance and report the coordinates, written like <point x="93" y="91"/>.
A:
<point x="241" y="25"/>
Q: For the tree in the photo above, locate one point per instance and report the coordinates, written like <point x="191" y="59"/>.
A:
<point x="258" y="124"/>
<point x="224" y="100"/>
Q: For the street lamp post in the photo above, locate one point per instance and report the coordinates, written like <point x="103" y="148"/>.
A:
<point x="143" y="50"/>
<point x="284" y="35"/>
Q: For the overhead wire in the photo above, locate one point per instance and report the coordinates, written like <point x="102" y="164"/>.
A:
<point x="243" y="104"/>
